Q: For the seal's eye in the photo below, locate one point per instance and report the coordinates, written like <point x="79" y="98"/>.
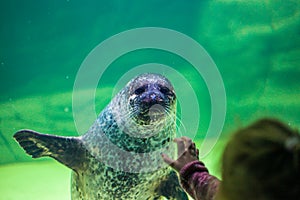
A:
<point x="164" y="90"/>
<point x="140" y="90"/>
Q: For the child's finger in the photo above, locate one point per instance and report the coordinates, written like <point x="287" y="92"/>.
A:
<point x="180" y="146"/>
<point x="188" y="142"/>
<point x="167" y="159"/>
<point x="192" y="146"/>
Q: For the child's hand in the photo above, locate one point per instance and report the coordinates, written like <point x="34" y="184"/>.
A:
<point x="187" y="152"/>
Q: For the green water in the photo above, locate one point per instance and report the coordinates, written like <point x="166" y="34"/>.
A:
<point x="255" y="45"/>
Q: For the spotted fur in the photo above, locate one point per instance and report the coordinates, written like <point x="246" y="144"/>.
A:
<point x="119" y="156"/>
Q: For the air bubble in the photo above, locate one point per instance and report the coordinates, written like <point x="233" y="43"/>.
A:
<point x="66" y="109"/>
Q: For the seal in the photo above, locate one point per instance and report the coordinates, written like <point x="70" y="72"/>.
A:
<point x="119" y="156"/>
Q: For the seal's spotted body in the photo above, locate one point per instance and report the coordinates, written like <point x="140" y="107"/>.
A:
<point x="119" y="156"/>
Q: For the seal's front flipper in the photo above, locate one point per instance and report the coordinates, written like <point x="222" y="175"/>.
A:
<point x="171" y="189"/>
<point x="67" y="150"/>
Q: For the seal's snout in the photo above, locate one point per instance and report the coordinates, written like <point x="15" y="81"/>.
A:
<point x="152" y="97"/>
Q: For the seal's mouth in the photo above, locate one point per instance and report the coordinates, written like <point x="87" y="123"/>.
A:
<point x="151" y="112"/>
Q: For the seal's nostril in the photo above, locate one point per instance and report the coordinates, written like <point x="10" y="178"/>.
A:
<point x="159" y="100"/>
<point x="152" y="100"/>
<point x="153" y="96"/>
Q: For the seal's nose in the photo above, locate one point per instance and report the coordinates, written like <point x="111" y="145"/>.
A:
<point x="152" y="97"/>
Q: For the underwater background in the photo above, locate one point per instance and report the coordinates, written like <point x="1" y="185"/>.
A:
<point x="254" y="44"/>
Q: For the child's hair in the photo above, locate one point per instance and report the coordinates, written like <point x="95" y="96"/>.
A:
<point x="262" y="162"/>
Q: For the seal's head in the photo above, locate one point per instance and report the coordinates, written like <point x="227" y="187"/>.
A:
<point x="146" y="106"/>
<point x="151" y="99"/>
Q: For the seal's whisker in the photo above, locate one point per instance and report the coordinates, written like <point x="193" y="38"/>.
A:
<point x="171" y="114"/>
<point x="179" y="124"/>
<point x="130" y="114"/>
<point x="134" y="109"/>
<point x="178" y="121"/>
<point x="168" y="110"/>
